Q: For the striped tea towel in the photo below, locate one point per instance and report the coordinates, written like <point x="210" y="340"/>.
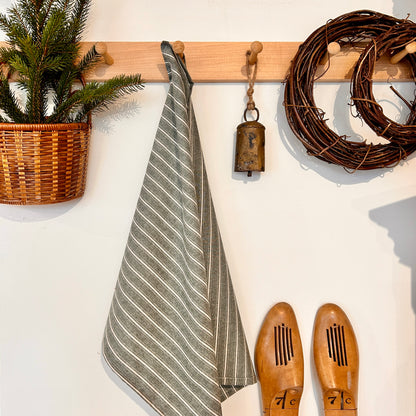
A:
<point x="174" y="332"/>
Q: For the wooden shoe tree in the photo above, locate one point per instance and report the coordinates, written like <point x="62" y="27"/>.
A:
<point x="279" y="362"/>
<point x="335" y="353"/>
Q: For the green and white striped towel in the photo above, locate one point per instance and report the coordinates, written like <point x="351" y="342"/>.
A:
<point x="174" y="332"/>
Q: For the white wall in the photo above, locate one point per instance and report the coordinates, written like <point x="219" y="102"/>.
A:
<point x="304" y="232"/>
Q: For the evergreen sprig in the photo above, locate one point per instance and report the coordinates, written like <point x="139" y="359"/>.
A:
<point x="43" y="49"/>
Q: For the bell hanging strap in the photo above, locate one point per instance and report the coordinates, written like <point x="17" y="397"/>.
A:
<point x="249" y="149"/>
<point x="251" y="77"/>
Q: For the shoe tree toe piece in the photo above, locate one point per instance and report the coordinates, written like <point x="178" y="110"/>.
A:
<point x="279" y="362"/>
<point x="335" y="352"/>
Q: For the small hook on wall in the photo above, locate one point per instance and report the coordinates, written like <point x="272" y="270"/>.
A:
<point x="409" y="48"/>
<point x="101" y="48"/>
<point x="179" y="48"/>
<point x="255" y="48"/>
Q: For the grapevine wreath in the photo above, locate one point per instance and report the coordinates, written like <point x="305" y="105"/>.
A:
<point x="361" y="88"/>
<point x="307" y="120"/>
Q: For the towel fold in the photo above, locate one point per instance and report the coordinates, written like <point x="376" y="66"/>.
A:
<point x="174" y="332"/>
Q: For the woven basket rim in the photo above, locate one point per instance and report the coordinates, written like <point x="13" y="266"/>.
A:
<point x="44" y="127"/>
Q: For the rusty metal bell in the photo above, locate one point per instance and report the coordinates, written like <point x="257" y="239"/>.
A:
<point x="249" y="149"/>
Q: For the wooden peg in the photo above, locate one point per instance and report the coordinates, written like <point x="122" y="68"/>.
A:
<point x="179" y="48"/>
<point x="409" y="48"/>
<point x="14" y="77"/>
<point x="255" y="48"/>
<point x="332" y="49"/>
<point x="101" y="48"/>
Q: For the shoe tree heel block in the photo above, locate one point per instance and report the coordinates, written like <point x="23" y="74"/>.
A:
<point x="279" y="362"/>
<point x="335" y="353"/>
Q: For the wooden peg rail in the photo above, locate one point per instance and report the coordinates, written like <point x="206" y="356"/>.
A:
<point x="225" y="62"/>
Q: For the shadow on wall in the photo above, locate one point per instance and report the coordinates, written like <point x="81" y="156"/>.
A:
<point x="402" y="7"/>
<point x="35" y="213"/>
<point x="342" y="123"/>
<point x="135" y="397"/>
<point x="399" y="219"/>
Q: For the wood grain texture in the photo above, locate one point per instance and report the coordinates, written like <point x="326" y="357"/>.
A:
<point x="225" y="62"/>
<point x="335" y="353"/>
<point x="279" y="362"/>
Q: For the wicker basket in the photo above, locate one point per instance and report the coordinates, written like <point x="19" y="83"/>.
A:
<point x="43" y="163"/>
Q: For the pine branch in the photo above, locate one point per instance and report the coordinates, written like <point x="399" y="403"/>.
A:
<point x="7" y="54"/>
<point x="36" y="99"/>
<point x="18" y="64"/>
<point x="44" y="40"/>
<point x="95" y="97"/>
<point x="54" y="63"/>
<point x="52" y="34"/>
<point x="62" y="5"/>
<point x="29" y="54"/>
<point x="108" y="92"/>
<point x="13" y="31"/>
<point x="19" y="20"/>
<point x="79" y="18"/>
<point x="37" y="4"/>
<point x="88" y="61"/>
<point x="62" y="86"/>
<point x="27" y="12"/>
<point x="8" y="103"/>
<point x="44" y="14"/>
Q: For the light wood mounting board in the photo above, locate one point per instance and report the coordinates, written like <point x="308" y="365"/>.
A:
<point x="225" y="62"/>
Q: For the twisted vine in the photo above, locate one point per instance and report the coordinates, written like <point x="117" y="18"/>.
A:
<point x="307" y="120"/>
